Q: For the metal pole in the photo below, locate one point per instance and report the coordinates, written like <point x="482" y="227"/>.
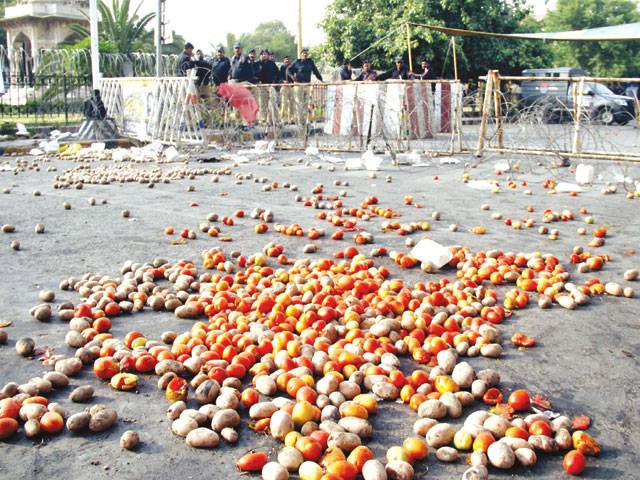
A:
<point x="95" y="51"/>
<point x="455" y="58"/>
<point x="409" y="47"/>
<point x="159" y="38"/>
<point x="299" y="28"/>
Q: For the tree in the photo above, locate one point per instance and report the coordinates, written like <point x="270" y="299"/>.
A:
<point x="353" y="25"/>
<point x="599" y="58"/>
<point x="272" y="35"/>
<point x="124" y="30"/>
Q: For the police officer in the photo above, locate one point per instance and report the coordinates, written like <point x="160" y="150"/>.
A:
<point x="203" y="69"/>
<point x="241" y="67"/>
<point x="184" y="60"/>
<point x="399" y="72"/>
<point x="285" y="70"/>
<point x="268" y="69"/>
<point x="255" y="64"/>
<point x="220" y="67"/>
<point x="267" y="96"/>
<point x="367" y="74"/>
<point x="427" y="72"/>
<point x="346" y="74"/>
<point x="303" y="67"/>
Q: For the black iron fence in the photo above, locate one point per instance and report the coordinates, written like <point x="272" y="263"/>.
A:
<point x="48" y="99"/>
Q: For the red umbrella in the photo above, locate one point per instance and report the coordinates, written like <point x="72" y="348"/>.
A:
<point x="240" y="98"/>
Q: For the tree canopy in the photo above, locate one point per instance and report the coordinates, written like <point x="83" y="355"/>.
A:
<point x="272" y="35"/>
<point x="353" y="25"/>
<point x="599" y="58"/>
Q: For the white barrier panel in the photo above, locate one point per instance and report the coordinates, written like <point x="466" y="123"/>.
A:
<point x="154" y="109"/>
<point x="420" y="109"/>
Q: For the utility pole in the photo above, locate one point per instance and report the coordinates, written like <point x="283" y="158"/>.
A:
<point x="299" y="28"/>
<point x="95" y="51"/>
<point x="159" y="10"/>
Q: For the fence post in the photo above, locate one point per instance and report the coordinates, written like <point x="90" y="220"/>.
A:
<point x="497" y="106"/>
<point x="66" y="104"/>
<point x="577" y="121"/>
<point x="486" y="107"/>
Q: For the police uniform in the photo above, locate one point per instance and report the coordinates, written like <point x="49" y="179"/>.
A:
<point x="346" y="73"/>
<point x="301" y="71"/>
<point x="184" y="63"/>
<point x="287" y="104"/>
<point x="242" y="69"/>
<point x="220" y="70"/>
<point x="267" y="96"/>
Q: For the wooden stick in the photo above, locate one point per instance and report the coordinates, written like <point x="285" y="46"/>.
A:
<point x="561" y="153"/>
<point x="577" y="121"/>
<point x="497" y="106"/>
<point x="409" y="47"/>
<point x="455" y="58"/>
<point x="486" y="106"/>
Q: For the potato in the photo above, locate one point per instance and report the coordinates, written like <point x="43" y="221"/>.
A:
<point x="440" y="435"/>
<point x="447" y="360"/>
<point x="32" y="411"/>
<point x="563" y="439"/>
<point x="422" y="426"/>
<point x="169" y="366"/>
<point x="452" y="404"/>
<point x="330" y="426"/>
<point x="58" y="380"/>
<point x="479" y="388"/>
<point x="280" y="424"/>
<point x="229" y="434"/>
<point x="201" y="418"/>
<point x="25" y="346"/>
<point x="515" y="442"/>
<point x="129" y="440"/>
<point x="490" y="376"/>
<point x="69" y="366"/>
<point x="399" y="470"/>
<point x="102" y="419"/>
<point x="262" y="410"/>
<point x="208" y="411"/>
<point x="374" y="470"/>
<point x="175" y="409"/>
<point x="432" y="409"/>
<point x="82" y="394"/>
<point x="385" y="390"/>
<point x="526" y="457"/>
<point x="501" y="455"/>
<point x="31" y="428"/>
<point x="359" y="426"/>
<point x="349" y="389"/>
<point x="465" y="398"/>
<point x="345" y="441"/>
<point x="327" y="385"/>
<point x="183" y="425"/>
<point x="266" y="385"/>
<point x="290" y="458"/>
<point x="227" y="400"/>
<point x="202" y="438"/>
<point x="497" y="425"/>
<point x="447" y="454"/>
<point x="78" y="422"/>
<point x="478" y="457"/>
<point x="543" y="443"/>
<point x="491" y="350"/>
<point x="225" y="418"/>
<point x="478" y="472"/>
<point x="164" y="380"/>
<point x="463" y="374"/>
<point x="274" y="471"/>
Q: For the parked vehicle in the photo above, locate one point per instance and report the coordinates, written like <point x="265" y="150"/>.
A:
<point x="555" y="98"/>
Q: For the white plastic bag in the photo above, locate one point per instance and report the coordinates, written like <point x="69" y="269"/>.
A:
<point x="429" y="251"/>
<point x="371" y="161"/>
<point x="584" y="174"/>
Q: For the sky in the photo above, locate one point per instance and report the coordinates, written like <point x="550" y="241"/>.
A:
<point x="206" y="22"/>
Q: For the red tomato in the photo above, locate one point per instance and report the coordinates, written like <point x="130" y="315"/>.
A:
<point x="574" y="462"/>
<point x="519" y="400"/>
<point x="540" y="427"/>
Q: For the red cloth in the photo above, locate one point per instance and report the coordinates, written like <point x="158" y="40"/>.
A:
<point x="240" y="98"/>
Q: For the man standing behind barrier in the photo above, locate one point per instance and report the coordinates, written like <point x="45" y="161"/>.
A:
<point x="399" y="72"/>
<point x="301" y="71"/>
<point x="203" y="72"/>
<point x="267" y="74"/>
<point x="184" y="60"/>
<point x="346" y="74"/>
<point x="220" y="67"/>
<point x="241" y="67"/>
<point x="427" y="72"/>
<point x="367" y="74"/>
<point x="286" y="93"/>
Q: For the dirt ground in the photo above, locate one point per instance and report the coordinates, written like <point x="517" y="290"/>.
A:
<point x="586" y="361"/>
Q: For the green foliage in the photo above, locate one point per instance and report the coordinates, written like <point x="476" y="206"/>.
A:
<point x="272" y="35"/>
<point x="599" y="58"/>
<point x="123" y="29"/>
<point x="353" y="25"/>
